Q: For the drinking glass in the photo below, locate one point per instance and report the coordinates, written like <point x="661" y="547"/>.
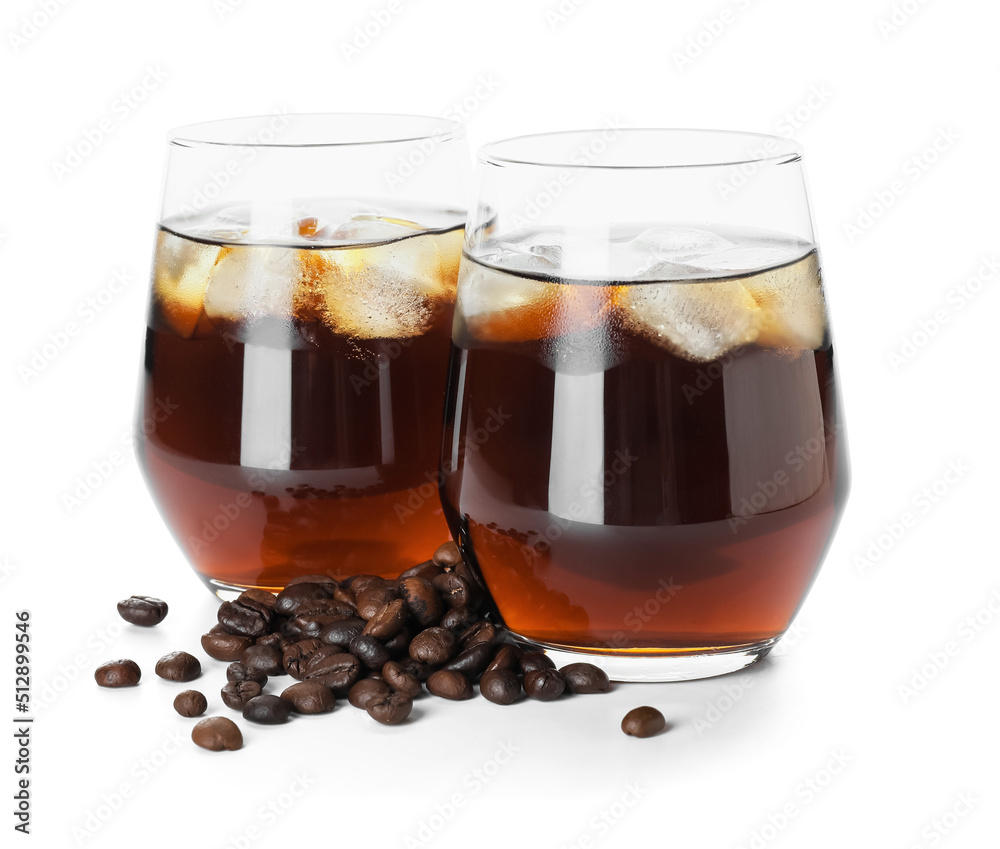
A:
<point x="297" y="344"/>
<point x="643" y="458"/>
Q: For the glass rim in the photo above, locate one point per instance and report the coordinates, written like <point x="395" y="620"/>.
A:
<point x="774" y="150"/>
<point x="234" y="132"/>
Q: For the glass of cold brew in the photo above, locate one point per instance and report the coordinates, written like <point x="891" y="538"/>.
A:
<point x="296" y="353"/>
<point x="643" y="455"/>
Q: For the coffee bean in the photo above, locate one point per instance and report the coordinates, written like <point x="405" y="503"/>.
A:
<point x="399" y="679"/>
<point x="261" y="596"/>
<point x="118" y="673"/>
<point x="480" y="632"/>
<point x="398" y="645"/>
<point x="544" y="684"/>
<point x="327" y="581"/>
<point x="453" y="589"/>
<point x="295" y="656"/>
<point x="248" y="618"/>
<point x="345" y="598"/>
<point x="643" y="722"/>
<point x="267" y="710"/>
<point x="216" y="734"/>
<point x="500" y="686"/>
<point x="263" y="659"/>
<point x="450" y="685"/>
<point x="477" y="592"/>
<point x="341" y="633"/>
<point x="387" y="621"/>
<point x="142" y="610"/>
<point x="372" y="597"/>
<point x="585" y="678"/>
<point x="278" y="641"/>
<point x="178" y="666"/>
<point x="309" y="626"/>
<point x="289" y="599"/>
<point x="458" y="619"/>
<point x="237" y="693"/>
<point x="422" y="600"/>
<point x="238" y="671"/>
<point x="309" y="697"/>
<point x="420" y="671"/>
<point x="391" y="709"/>
<point x="365" y="690"/>
<point x="190" y="703"/>
<point x="507" y="657"/>
<point x="324" y="607"/>
<point x="533" y="660"/>
<point x="370" y="652"/>
<point x="357" y="584"/>
<point x="337" y="670"/>
<point x="472" y="661"/>
<point x="433" y="645"/>
<point x="221" y="645"/>
<point x="447" y="554"/>
<point x="427" y="570"/>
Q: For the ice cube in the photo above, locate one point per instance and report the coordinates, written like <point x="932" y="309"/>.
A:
<point x="371" y="227"/>
<point x="793" y="311"/>
<point x="252" y="282"/>
<point x="663" y="252"/>
<point x="182" y="270"/>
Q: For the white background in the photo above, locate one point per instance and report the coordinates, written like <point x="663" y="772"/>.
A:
<point x="748" y="761"/>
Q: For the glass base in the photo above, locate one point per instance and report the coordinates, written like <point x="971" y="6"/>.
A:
<point x="227" y="592"/>
<point x="638" y="666"/>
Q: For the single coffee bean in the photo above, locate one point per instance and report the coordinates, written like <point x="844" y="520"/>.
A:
<point x="345" y="598"/>
<point x="472" y="661"/>
<point x="296" y="655"/>
<point x="387" y="621"/>
<point x="480" y="632"/>
<point x="237" y="693"/>
<point x="263" y="659"/>
<point x="398" y="645"/>
<point x="309" y="626"/>
<point x="459" y="619"/>
<point x="477" y="592"/>
<point x="428" y="570"/>
<point x="278" y="641"/>
<point x="357" y="584"/>
<point x="118" y="673"/>
<point x="289" y="599"/>
<point x="391" y="709"/>
<point x="260" y="596"/>
<point x="338" y="671"/>
<point x="309" y="697"/>
<point x="217" y="734"/>
<point x="500" y="686"/>
<point x="422" y="600"/>
<point x="643" y="722"/>
<point x="447" y="554"/>
<point x="370" y="652"/>
<point x="324" y="607"/>
<point x="544" y="684"/>
<point x="453" y="589"/>
<point x="238" y="671"/>
<point x="585" y="678"/>
<point x="450" y="685"/>
<point x="372" y="597"/>
<point x="507" y="657"/>
<point x="248" y="618"/>
<point x="341" y="633"/>
<point x="533" y="660"/>
<point x="365" y="690"/>
<point x="190" y="703"/>
<point x="178" y="666"/>
<point x="267" y="710"/>
<point x="434" y="645"/>
<point x="142" y="610"/>
<point x="420" y="671"/>
<point x="221" y="645"/>
<point x="400" y="680"/>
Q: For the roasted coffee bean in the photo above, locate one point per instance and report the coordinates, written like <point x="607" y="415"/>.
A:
<point x="267" y="710"/>
<point x="585" y="678"/>
<point x="458" y="619"/>
<point x="428" y="570"/>
<point x="324" y="607"/>
<point x="261" y="596"/>
<point x="190" y="703"/>
<point x="308" y="626"/>
<point x="370" y="652"/>
<point x="365" y="690"/>
<point x="453" y="589"/>
<point x="216" y="734"/>
<point x="477" y="592"/>
<point x="345" y="598"/>
<point x="118" y="673"/>
<point x="248" y="618"/>
<point x="398" y="645"/>
<point x="178" y="666"/>
<point x="420" y="671"/>
<point x="480" y="632"/>
<point x="399" y="679"/>
<point x="357" y="584"/>
<point x="507" y="657"/>
<point x="238" y="671"/>
<point x="500" y="686"/>
<point x="391" y="709"/>
<point x="237" y="693"/>
<point x="450" y="685"/>
<point x="309" y="697"/>
<point x="142" y="610"/>
<point x="341" y="633"/>
<point x="472" y="661"/>
<point x="435" y="645"/>
<point x="326" y="580"/>
<point x="265" y="659"/>
<point x="643" y="722"/>
<point x="387" y="621"/>
<point x="372" y="597"/>
<point x="221" y="645"/>
<point x="294" y="657"/>
<point x="338" y="671"/>
<point x="288" y="600"/>
<point x="278" y="641"/>
<point x="447" y="554"/>
<point x="422" y="600"/>
<point x="544" y="684"/>
<point x="532" y="660"/>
